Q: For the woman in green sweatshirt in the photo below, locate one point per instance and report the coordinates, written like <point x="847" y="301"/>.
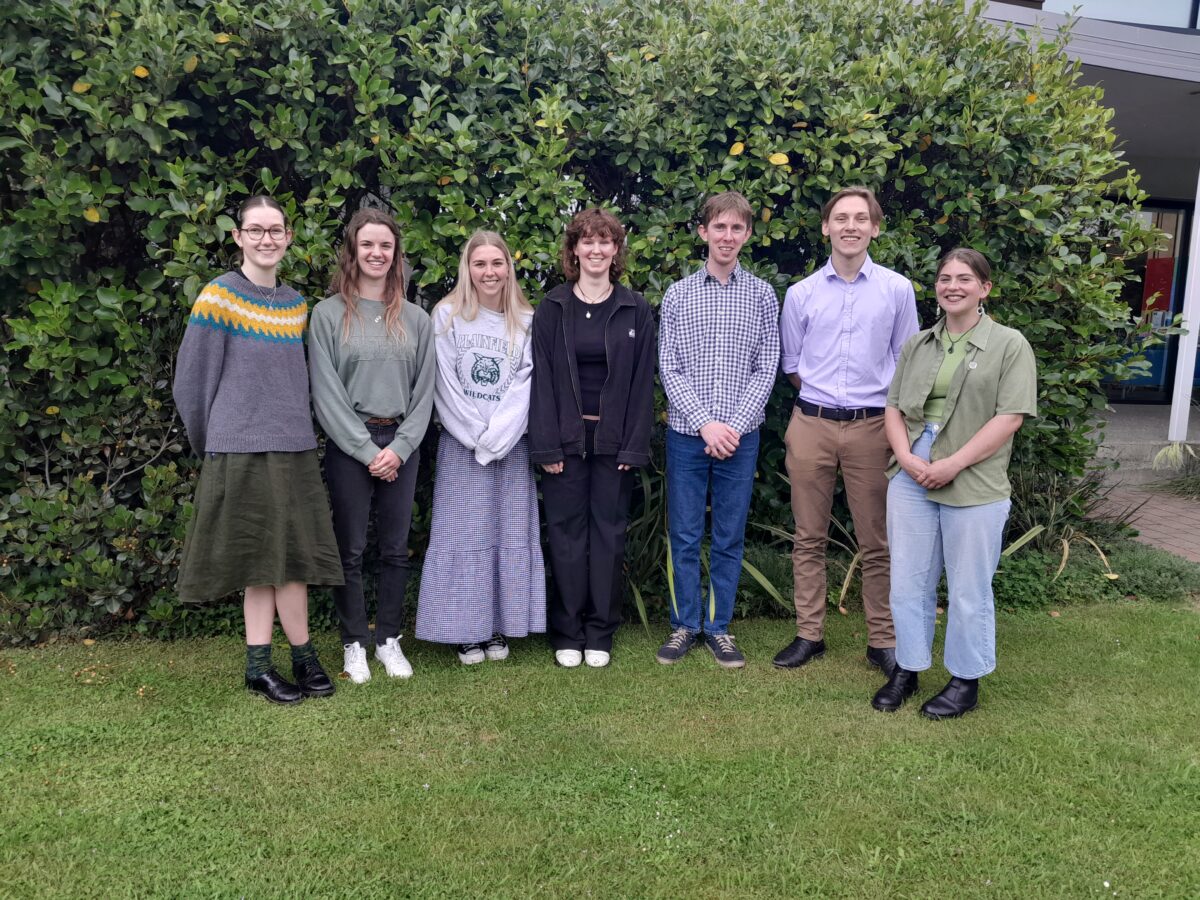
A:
<point x="372" y="369"/>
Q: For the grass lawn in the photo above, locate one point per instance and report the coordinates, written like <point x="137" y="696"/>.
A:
<point x="141" y="768"/>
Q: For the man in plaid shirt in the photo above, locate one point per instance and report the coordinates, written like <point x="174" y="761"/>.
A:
<point x="718" y="353"/>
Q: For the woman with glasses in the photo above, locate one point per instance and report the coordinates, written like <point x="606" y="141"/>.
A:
<point x="372" y="363"/>
<point x="261" y="523"/>
<point x="961" y="391"/>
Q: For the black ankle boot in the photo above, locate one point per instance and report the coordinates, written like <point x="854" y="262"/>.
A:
<point x="958" y="697"/>
<point x="900" y="686"/>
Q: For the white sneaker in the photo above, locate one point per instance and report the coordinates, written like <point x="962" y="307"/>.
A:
<point x="568" y="659"/>
<point x="469" y="654"/>
<point x="354" y="663"/>
<point x="597" y="659"/>
<point x="496" y="647"/>
<point x="392" y="657"/>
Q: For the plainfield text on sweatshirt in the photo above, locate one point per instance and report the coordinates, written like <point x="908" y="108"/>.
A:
<point x="482" y="393"/>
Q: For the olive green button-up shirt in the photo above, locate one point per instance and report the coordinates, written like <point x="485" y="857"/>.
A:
<point x="998" y="375"/>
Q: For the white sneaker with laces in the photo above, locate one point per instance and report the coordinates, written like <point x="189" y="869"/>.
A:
<point x="354" y="663"/>
<point x="597" y="659"/>
<point x="470" y="654"/>
<point x="392" y="657"/>
<point x="495" y="648"/>
<point x="568" y="659"/>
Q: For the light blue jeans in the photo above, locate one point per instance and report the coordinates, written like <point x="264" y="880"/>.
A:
<point x="925" y="536"/>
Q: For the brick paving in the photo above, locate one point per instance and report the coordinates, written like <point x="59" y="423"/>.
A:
<point x="1165" y="521"/>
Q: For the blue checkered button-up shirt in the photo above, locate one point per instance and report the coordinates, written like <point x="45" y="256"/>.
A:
<point x="718" y="350"/>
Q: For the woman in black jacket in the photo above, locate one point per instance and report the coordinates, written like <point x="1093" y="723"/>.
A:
<point x="589" y="425"/>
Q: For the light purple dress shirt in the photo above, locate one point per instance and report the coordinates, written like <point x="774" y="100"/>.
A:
<point x="843" y="338"/>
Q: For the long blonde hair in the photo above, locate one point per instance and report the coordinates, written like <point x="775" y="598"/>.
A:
<point x="462" y="300"/>
<point x="345" y="277"/>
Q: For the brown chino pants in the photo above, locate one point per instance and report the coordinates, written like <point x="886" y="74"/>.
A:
<point x="816" y="449"/>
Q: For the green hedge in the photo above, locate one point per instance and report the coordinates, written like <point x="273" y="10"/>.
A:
<point x="129" y="131"/>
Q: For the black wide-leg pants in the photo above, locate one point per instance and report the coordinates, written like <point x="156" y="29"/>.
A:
<point x="587" y="510"/>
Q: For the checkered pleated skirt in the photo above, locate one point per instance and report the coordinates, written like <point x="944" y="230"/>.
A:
<point x="483" y="572"/>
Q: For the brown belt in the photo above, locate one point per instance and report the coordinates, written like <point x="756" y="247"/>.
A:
<point x="378" y="421"/>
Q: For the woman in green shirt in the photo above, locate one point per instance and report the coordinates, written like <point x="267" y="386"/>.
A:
<point x="961" y="391"/>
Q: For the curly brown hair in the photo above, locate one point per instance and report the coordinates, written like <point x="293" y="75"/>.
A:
<point x="593" y="222"/>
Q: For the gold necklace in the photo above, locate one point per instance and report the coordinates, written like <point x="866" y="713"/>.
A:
<point x="591" y="301"/>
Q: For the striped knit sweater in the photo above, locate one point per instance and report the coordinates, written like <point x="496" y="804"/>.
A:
<point x="241" y="381"/>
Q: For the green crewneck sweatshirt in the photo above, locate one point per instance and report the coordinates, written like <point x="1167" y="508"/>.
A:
<point x="370" y="374"/>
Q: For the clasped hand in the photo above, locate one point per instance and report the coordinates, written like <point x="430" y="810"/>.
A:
<point x="720" y="440"/>
<point x="385" y="465"/>
<point x="930" y="475"/>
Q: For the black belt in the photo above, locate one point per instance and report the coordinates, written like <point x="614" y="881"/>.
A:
<point x="836" y="413"/>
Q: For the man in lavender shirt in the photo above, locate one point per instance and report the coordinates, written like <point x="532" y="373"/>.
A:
<point x="841" y="331"/>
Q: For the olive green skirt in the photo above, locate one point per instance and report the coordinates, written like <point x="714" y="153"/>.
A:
<point x="260" y="518"/>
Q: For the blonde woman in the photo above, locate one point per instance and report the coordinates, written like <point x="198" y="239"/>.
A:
<point x="483" y="580"/>
<point x="372" y="364"/>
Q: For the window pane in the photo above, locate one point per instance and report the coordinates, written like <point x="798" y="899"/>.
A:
<point x="1175" y="13"/>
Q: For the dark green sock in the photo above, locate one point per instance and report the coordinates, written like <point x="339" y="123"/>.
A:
<point x="302" y="653"/>
<point x="258" y="659"/>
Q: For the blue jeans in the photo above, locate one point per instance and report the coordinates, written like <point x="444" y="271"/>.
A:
<point x="925" y="536"/>
<point x="690" y="475"/>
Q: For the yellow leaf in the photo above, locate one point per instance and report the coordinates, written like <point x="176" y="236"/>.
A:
<point x="778" y="159"/>
<point x="444" y="180"/>
<point x="221" y="38"/>
<point x="766" y="214"/>
<point x="1111" y="576"/>
<point x="52" y="410"/>
<point x="87" y="642"/>
<point x="737" y="149"/>
<point x="374" y="139"/>
<point x="648" y="56"/>
<point x="542" y="123"/>
<point x="141" y="71"/>
<point x="517" y="255"/>
<point x="92" y="214"/>
<point x="81" y="87"/>
<point x="189" y="64"/>
<point x="800" y="125"/>
<point x="1031" y="97"/>
<point x="943" y="220"/>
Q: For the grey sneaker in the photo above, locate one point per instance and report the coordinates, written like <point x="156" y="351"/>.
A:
<point x="725" y="651"/>
<point x="677" y="646"/>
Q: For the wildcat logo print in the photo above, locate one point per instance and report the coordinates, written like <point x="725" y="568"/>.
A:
<point x="486" y="370"/>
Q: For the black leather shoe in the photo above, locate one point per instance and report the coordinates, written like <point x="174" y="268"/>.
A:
<point x="798" y="652"/>
<point x="311" y="679"/>
<point x="883" y="659"/>
<point x="900" y="686"/>
<point x="959" y="696"/>
<point x="274" y="687"/>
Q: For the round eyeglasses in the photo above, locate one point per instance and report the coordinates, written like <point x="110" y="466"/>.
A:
<point x="256" y="232"/>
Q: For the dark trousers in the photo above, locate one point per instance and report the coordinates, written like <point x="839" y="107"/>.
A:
<point x="353" y="493"/>
<point x="587" y="509"/>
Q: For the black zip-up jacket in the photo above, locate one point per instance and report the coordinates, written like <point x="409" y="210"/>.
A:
<point x="627" y="398"/>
